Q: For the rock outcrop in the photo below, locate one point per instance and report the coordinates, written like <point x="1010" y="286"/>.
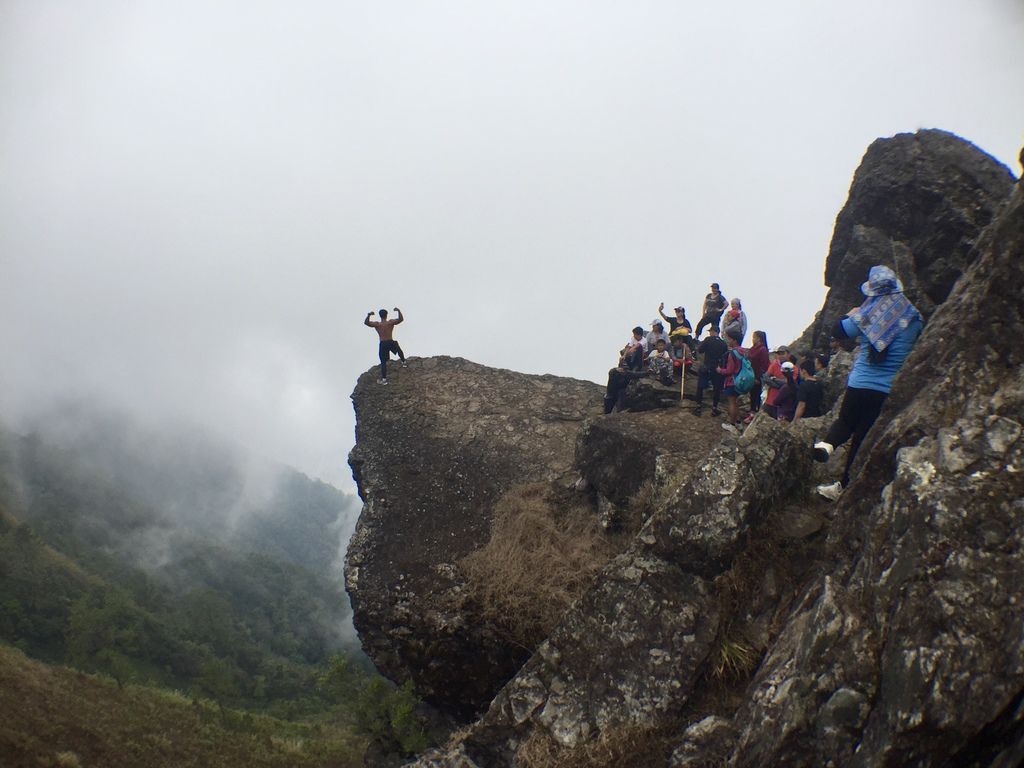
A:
<point x="629" y="654"/>
<point x="435" y="449"/>
<point x="918" y="203"/>
<point x="748" y="623"/>
<point x="909" y="651"/>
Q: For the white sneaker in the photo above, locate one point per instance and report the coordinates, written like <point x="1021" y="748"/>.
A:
<point x="730" y="428"/>
<point x="830" y="492"/>
<point x="382" y="381"/>
<point x="823" y="451"/>
<point x="404" y="365"/>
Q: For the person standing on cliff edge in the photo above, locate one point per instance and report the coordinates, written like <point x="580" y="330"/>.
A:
<point x="385" y="330"/>
<point x="886" y="325"/>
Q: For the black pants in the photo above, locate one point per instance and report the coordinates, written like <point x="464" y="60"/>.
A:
<point x="386" y="348"/>
<point x="715" y="379"/>
<point x="858" y="412"/>
<point x="618" y="380"/>
<point x="711" y="318"/>
<point x="755" y="396"/>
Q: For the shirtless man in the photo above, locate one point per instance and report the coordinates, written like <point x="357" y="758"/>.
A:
<point x="385" y="329"/>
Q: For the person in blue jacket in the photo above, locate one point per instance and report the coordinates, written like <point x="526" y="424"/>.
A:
<point x="886" y="326"/>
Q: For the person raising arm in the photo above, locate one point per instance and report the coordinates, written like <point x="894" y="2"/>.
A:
<point x="388" y="345"/>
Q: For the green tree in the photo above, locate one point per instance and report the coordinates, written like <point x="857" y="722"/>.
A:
<point x="104" y="632"/>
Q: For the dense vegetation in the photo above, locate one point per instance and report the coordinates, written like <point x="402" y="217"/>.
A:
<point x="240" y="602"/>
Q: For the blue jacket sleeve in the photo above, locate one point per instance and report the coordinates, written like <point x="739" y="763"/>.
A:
<point x="845" y="328"/>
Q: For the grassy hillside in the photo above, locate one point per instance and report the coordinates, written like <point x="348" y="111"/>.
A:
<point x="54" y="716"/>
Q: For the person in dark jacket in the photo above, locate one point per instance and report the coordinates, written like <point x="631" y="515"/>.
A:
<point x="785" y="399"/>
<point x="809" y="393"/>
<point x="712" y="349"/>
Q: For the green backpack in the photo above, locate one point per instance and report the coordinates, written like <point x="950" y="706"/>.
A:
<point x="743" y="381"/>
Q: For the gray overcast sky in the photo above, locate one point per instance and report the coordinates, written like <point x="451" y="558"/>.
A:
<point x="200" y="201"/>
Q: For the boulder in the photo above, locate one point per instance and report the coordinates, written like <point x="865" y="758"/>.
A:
<point x="435" y="449"/>
<point x="706" y="742"/>
<point x="621" y="453"/>
<point x="918" y="203"/>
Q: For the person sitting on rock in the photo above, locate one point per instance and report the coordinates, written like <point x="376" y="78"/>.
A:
<point x="773" y="380"/>
<point x="809" y="393"/>
<point x="711" y="313"/>
<point x="731" y="365"/>
<point x="630" y="367"/>
<point x="388" y="345"/>
<point x="680" y="351"/>
<point x="735" y="320"/>
<point x="676" y="322"/>
<point x="785" y="399"/>
<point x="886" y="326"/>
<point x="713" y="349"/>
<point x="657" y="332"/>
<point x="659" y="363"/>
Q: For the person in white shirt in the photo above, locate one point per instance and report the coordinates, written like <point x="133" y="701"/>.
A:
<point x="657" y="332"/>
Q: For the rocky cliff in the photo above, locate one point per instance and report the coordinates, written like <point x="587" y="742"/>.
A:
<point x="918" y="203"/>
<point x="745" y="622"/>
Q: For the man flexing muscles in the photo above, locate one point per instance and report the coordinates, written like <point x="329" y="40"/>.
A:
<point x="385" y="329"/>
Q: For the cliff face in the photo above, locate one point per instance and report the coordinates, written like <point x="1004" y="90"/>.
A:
<point x="909" y="651"/>
<point x="918" y="203"/>
<point x="749" y="623"/>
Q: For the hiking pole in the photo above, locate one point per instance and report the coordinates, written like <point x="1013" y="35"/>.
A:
<point x="682" y="378"/>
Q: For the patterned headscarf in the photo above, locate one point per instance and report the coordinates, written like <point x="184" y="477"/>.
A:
<point x="886" y="311"/>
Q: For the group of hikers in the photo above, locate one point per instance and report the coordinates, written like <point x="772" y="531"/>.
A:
<point x="786" y="387"/>
<point x="885" y="326"/>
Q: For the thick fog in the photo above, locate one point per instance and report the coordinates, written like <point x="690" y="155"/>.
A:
<point x="199" y="202"/>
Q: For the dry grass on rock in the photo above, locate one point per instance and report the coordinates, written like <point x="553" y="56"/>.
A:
<point x="543" y="553"/>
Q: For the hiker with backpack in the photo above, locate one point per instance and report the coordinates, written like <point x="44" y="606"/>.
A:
<point x="739" y="377"/>
<point x="886" y="326"/>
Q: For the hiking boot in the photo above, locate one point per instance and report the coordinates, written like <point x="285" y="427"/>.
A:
<point x="404" y="365"/>
<point x="382" y="381"/>
<point x="698" y="411"/>
<point x="830" y="492"/>
<point x="823" y="451"/>
<point x="715" y="412"/>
